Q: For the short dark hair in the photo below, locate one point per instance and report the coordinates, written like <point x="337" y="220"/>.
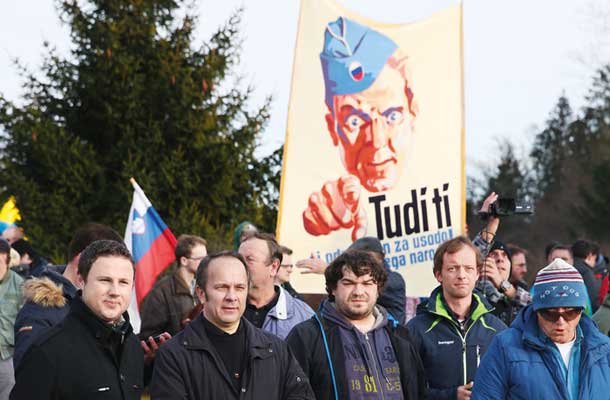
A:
<point x="514" y="250"/>
<point x="453" y="246"/>
<point x="102" y="248"/>
<point x="185" y="245"/>
<point x="89" y="233"/>
<point x="275" y="250"/>
<point x="360" y="263"/>
<point x="201" y="276"/>
<point x="551" y="247"/>
<point x="582" y="248"/>
<point x="286" y="250"/>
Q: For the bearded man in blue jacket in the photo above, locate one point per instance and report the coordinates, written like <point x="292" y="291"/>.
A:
<point x="552" y="350"/>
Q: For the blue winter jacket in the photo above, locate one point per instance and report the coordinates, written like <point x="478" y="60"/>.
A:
<point x="520" y="364"/>
<point x="287" y="313"/>
<point x="451" y="355"/>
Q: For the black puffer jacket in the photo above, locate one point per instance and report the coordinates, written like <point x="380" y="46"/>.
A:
<point x="82" y="358"/>
<point x="188" y="367"/>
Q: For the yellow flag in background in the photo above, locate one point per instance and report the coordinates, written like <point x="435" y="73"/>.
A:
<point x="9" y="213"/>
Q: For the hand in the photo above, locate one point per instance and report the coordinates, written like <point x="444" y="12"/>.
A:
<point x="336" y="206"/>
<point x="312" y="266"/>
<point x="152" y="346"/>
<point x="492" y="222"/>
<point x="491" y="272"/>
<point x="464" y="392"/>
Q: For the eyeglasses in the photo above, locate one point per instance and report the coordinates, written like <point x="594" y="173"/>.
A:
<point x="287" y="265"/>
<point x="552" y="314"/>
<point x="196" y="258"/>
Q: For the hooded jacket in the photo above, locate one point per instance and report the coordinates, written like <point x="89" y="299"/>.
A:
<point x="389" y="344"/>
<point x="47" y="301"/>
<point x="451" y="354"/>
<point x="521" y="365"/>
<point x="82" y="357"/>
<point x="188" y="367"/>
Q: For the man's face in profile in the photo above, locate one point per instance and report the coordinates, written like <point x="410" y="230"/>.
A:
<point x="372" y="129"/>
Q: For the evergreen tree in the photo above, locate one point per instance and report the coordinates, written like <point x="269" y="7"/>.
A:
<point x="136" y="97"/>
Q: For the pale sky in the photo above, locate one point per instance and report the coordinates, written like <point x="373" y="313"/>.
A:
<point x="520" y="55"/>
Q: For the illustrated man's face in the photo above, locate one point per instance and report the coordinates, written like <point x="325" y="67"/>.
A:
<point x="372" y="129"/>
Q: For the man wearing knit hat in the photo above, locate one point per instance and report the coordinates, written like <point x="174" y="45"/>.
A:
<point x="370" y="118"/>
<point x="552" y="350"/>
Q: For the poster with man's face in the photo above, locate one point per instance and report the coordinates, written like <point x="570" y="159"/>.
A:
<point x="374" y="143"/>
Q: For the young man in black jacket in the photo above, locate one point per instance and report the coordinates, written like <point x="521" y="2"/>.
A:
<point x="220" y="355"/>
<point x="350" y="350"/>
<point x="93" y="351"/>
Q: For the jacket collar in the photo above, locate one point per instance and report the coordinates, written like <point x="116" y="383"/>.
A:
<point x="284" y="307"/>
<point x="181" y="286"/>
<point x="98" y="328"/>
<point x="69" y="290"/>
<point x="194" y="337"/>
<point x="436" y="306"/>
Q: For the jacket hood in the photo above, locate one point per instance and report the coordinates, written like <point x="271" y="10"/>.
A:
<point x="44" y="291"/>
<point x="329" y="311"/>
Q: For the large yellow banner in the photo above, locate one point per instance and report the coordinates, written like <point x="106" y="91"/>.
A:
<point x="374" y="142"/>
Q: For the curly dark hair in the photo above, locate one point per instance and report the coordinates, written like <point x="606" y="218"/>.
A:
<point x="360" y="263"/>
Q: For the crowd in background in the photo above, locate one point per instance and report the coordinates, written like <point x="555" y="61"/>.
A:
<point x="231" y="325"/>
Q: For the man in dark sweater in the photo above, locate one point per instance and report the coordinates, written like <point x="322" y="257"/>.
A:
<point x="220" y="355"/>
<point x="351" y="350"/>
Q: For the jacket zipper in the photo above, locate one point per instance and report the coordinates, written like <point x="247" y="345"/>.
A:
<point x="366" y="336"/>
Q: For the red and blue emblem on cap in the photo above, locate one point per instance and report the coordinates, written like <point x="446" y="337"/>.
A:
<point x="356" y="71"/>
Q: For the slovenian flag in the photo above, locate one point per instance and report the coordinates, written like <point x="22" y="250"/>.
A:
<point x="151" y="244"/>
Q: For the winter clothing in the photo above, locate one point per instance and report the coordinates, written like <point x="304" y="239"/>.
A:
<point x="287" y="313"/>
<point x="169" y="302"/>
<point x="82" y="357"/>
<point x="602" y="316"/>
<point x="189" y="367"/>
<point x="11" y="300"/>
<point x="593" y="285"/>
<point x="393" y="296"/>
<point x="442" y="341"/>
<point x="503" y="307"/>
<point x="382" y="360"/>
<point x="47" y="301"/>
<point x="559" y="285"/>
<point x="522" y="363"/>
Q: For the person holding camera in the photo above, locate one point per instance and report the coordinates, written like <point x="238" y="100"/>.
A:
<point x="506" y="298"/>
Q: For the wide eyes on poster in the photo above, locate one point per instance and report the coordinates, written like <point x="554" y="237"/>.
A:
<point x="374" y="141"/>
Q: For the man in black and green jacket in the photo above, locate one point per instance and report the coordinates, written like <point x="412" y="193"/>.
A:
<point x="454" y="328"/>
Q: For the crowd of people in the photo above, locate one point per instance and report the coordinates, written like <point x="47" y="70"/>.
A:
<point x="229" y="325"/>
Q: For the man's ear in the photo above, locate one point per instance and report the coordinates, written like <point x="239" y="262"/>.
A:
<point x="183" y="261"/>
<point x="332" y="128"/>
<point x="80" y="281"/>
<point x="275" y="266"/>
<point x="200" y="294"/>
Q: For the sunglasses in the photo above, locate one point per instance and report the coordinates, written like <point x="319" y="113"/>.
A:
<point x="552" y="315"/>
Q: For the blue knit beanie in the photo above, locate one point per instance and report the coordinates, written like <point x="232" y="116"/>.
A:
<point x="559" y="285"/>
